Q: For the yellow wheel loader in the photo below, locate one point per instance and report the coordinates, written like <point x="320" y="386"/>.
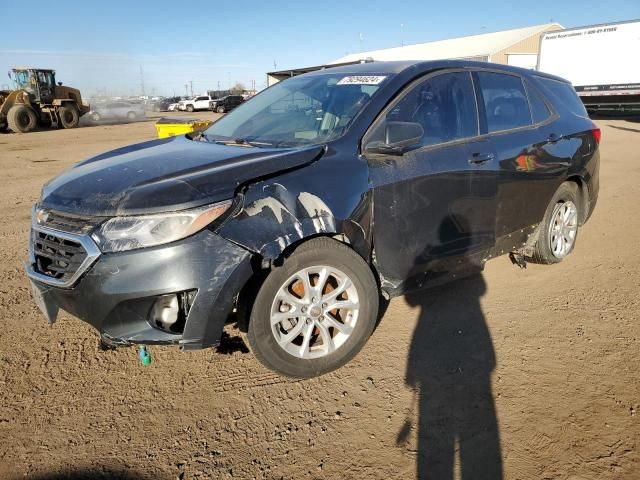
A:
<point x="38" y="101"/>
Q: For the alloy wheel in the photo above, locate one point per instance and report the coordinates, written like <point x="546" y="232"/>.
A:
<point x="314" y="312"/>
<point x="563" y="228"/>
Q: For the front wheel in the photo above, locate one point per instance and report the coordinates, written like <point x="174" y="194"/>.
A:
<point x="314" y="312"/>
<point x="559" y="229"/>
<point x="131" y="115"/>
<point x="220" y="109"/>
<point x="189" y="108"/>
<point x="22" y="119"/>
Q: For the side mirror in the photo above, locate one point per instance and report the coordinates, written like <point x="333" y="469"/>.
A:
<point x="398" y="137"/>
<point x="59" y="84"/>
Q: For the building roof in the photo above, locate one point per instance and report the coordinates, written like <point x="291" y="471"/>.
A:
<point x="462" y="47"/>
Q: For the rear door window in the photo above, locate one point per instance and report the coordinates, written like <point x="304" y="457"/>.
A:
<point x="566" y="94"/>
<point x="539" y="109"/>
<point x="505" y="101"/>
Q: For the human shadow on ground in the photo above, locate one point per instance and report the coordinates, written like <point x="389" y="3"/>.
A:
<point x="97" y="473"/>
<point x="450" y="363"/>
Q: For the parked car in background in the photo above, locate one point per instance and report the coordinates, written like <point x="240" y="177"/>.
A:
<point x="165" y="103"/>
<point x="117" y="111"/>
<point x="200" y="102"/>
<point x="294" y="214"/>
<point x="226" y="104"/>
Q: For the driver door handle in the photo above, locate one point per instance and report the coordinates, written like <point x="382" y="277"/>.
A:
<point x="480" y="158"/>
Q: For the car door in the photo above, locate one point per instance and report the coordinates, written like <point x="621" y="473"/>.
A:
<point x="434" y="205"/>
<point x="518" y="127"/>
<point x="114" y="110"/>
<point x="202" y="103"/>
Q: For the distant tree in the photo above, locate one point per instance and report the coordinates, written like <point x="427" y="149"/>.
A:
<point x="238" y="88"/>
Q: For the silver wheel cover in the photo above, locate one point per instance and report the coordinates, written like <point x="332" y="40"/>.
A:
<point x="314" y="312"/>
<point x="563" y="228"/>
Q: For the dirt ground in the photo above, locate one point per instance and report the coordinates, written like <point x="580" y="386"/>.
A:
<point x="532" y="372"/>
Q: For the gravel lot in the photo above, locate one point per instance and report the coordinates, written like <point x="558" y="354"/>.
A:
<point x="552" y="353"/>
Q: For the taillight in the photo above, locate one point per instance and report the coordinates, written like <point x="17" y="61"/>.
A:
<point x="597" y="134"/>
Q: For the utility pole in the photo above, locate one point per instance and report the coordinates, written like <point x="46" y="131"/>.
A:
<point x="186" y="91"/>
<point x="191" y="83"/>
<point x="218" y="85"/>
<point x="141" y="81"/>
<point x="361" y="38"/>
<point x="275" y="65"/>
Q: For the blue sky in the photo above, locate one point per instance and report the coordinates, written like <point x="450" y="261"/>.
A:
<point x="101" y="45"/>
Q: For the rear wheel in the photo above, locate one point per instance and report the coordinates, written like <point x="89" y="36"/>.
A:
<point x="315" y="312"/>
<point x="559" y="228"/>
<point x="189" y="108"/>
<point x="131" y="115"/>
<point x="68" y="116"/>
<point x="95" y="116"/>
<point x="220" y="109"/>
<point x="22" y="119"/>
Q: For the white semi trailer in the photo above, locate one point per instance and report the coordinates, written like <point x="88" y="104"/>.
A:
<point x="602" y="62"/>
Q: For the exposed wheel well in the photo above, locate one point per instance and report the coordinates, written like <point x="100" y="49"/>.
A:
<point x="262" y="267"/>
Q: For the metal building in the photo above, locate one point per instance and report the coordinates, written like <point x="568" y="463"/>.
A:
<point x="517" y="47"/>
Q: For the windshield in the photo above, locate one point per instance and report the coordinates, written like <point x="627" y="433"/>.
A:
<point x="302" y="110"/>
<point x="22" y="79"/>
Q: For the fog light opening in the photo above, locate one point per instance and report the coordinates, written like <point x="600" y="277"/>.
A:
<point x="169" y="312"/>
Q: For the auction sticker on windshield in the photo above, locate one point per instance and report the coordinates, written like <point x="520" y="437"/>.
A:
<point x="362" y="80"/>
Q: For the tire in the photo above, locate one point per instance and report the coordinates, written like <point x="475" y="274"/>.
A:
<point x="22" y="119"/>
<point x="557" y="239"/>
<point x="318" y="322"/>
<point x="190" y="108"/>
<point x="220" y="109"/>
<point x="68" y="116"/>
<point x="96" y="117"/>
<point x="131" y="115"/>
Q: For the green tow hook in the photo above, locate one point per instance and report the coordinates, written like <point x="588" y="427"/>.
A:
<point x="145" y="356"/>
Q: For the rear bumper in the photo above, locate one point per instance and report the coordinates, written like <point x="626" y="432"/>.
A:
<point x="116" y="294"/>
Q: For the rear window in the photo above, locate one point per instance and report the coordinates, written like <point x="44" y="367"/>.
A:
<point x="565" y="93"/>
<point x="505" y="101"/>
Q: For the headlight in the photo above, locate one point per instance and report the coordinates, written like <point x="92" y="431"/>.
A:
<point x="138" y="231"/>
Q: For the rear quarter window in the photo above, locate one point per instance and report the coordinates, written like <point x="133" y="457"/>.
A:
<point x="539" y="109"/>
<point x="565" y="94"/>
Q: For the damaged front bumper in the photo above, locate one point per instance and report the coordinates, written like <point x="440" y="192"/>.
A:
<point x="116" y="293"/>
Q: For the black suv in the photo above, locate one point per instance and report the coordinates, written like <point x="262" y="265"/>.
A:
<point x="296" y="213"/>
<point x="226" y="104"/>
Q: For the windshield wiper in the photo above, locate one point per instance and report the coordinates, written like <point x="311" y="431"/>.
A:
<point x="250" y="143"/>
<point x="236" y="142"/>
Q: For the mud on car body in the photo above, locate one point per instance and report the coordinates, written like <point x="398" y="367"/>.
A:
<point x="296" y="213"/>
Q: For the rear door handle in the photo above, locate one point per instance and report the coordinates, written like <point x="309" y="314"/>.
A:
<point x="479" y="158"/>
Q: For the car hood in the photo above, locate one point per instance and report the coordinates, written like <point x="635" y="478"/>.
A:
<point x="164" y="175"/>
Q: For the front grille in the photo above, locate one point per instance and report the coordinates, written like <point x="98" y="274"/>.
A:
<point x="56" y="257"/>
<point x="71" y="223"/>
